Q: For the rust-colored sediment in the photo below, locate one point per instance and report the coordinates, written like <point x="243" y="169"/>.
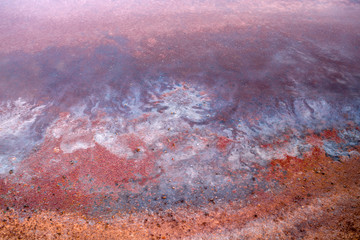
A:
<point x="316" y="198"/>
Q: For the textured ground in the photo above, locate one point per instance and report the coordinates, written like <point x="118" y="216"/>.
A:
<point x="180" y="120"/>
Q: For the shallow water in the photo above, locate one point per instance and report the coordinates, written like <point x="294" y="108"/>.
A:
<point x="186" y="118"/>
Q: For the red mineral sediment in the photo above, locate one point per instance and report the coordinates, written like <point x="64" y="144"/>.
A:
<point x="307" y="197"/>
